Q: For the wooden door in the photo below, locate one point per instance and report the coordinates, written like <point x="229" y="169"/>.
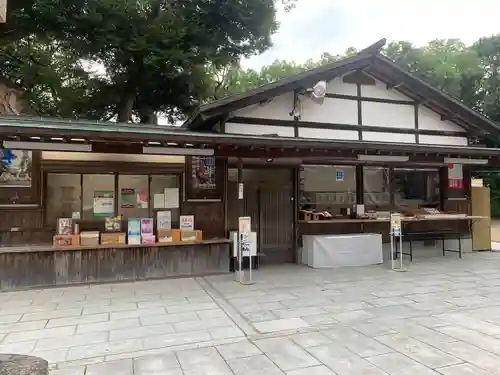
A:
<point x="276" y="224"/>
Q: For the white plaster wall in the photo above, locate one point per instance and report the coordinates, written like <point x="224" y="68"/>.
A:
<point x="430" y="120"/>
<point x="388" y="115"/>
<point x="442" y="140"/>
<point x="340" y="111"/>
<point x="250" y="129"/>
<point x="89" y="156"/>
<point x="388" y="137"/>
<point x="351" y="135"/>
<point x="336" y="86"/>
<point x="379" y="90"/>
<point x="278" y="108"/>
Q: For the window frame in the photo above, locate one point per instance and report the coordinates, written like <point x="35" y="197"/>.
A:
<point x="151" y="211"/>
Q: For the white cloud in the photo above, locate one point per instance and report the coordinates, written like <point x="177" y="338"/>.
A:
<point x="317" y="26"/>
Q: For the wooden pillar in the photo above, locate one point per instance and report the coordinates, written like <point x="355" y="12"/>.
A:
<point x="360" y="185"/>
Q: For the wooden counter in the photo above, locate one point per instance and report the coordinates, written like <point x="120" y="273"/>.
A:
<point x="459" y="224"/>
<point x="43" y="266"/>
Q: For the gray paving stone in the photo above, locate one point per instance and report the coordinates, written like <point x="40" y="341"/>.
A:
<point x="219" y="333"/>
<point x="462" y="369"/>
<point x="69" y="371"/>
<point x="255" y="365"/>
<point x="137" y="313"/>
<point x="24" y="347"/>
<point x="342" y="361"/>
<point x="396" y="363"/>
<point x="53" y="314"/>
<point x="103" y="349"/>
<point x="25" y="326"/>
<point x="135" y="332"/>
<point x="69" y="341"/>
<point x="260" y="316"/>
<point x="39" y="334"/>
<point x="169" y="318"/>
<point x="310" y="339"/>
<point x="107" y="326"/>
<point x="123" y="367"/>
<point x="202" y="324"/>
<point x="73" y="321"/>
<point x="478" y="339"/>
<point x="157" y="364"/>
<point x="175" y="339"/>
<point x="353" y="316"/>
<point x="317" y="320"/>
<point x="339" y="307"/>
<point x="420" y="352"/>
<point x="356" y="342"/>
<point x="280" y="325"/>
<point x="13" y="318"/>
<point x="202" y="361"/>
<point x="298" y="312"/>
<point x="470" y="322"/>
<point x="286" y="354"/>
<point x="316" y="370"/>
<point x="192" y="307"/>
<point x="238" y="350"/>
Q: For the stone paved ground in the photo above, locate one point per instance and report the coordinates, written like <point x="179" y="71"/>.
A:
<point x="440" y="317"/>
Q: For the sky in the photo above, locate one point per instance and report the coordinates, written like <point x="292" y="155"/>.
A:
<point x="317" y="26"/>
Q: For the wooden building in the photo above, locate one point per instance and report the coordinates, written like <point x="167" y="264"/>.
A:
<point x="378" y="137"/>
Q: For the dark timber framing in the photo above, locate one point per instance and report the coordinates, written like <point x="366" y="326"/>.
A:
<point x="360" y="111"/>
<point x="359" y="127"/>
<point x="371" y="62"/>
<point x="417" y="139"/>
<point x="361" y="98"/>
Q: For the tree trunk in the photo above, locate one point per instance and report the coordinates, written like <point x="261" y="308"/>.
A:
<point x="125" y="107"/>
<point x="148" y="116"/>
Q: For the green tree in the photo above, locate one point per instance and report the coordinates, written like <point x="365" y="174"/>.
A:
<point x="154" y="53"/>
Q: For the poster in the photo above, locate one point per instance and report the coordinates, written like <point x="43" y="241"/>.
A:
<point x="15" y="168"/>
<point x="158" y="200"/>
<point x="104" y="203"/>
<point x="396" y="224"/>
<point x="146" y="226"/>
<point x="134" y="231"/>
<point x="203" y="172"/>
<point x="164" y="220"/>
<point x="186" y="222"/>
<point x="172" y="198"/>
<point x="455" y="176"/>
<point x="127" y="198"/>
<point x="142" y="199"/>
<point x="339" y="175"/>
<point x="244" y="230"/>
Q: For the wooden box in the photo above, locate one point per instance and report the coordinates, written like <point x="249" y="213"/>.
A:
<point x="113" y="238"/>
<point x="199" y="235"/>
<point x="89" y="238"/>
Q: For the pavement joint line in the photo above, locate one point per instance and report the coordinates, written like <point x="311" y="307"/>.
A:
<point x="233" y="314"/>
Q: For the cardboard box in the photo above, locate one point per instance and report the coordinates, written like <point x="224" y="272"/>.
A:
<point x="165" y="235"/>
<point x="113" y="239"/>
<point x="66" y="240"/>
<point x="188" y="235"/>
<point x="148" y="239"/>
<point x="89" y="238"/>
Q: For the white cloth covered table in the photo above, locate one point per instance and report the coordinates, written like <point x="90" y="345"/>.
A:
<point x="340" y="250"/>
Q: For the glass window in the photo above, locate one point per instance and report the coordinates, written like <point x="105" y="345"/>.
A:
<point x="376" y="193"/>
<point x="63" y="196"/>
<point x="133" y="196"/>
<point x="97" y="186"/>
<point x="158" y="186"/>
<point x="414" y="188"/>
<point x="327" y="188"/>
